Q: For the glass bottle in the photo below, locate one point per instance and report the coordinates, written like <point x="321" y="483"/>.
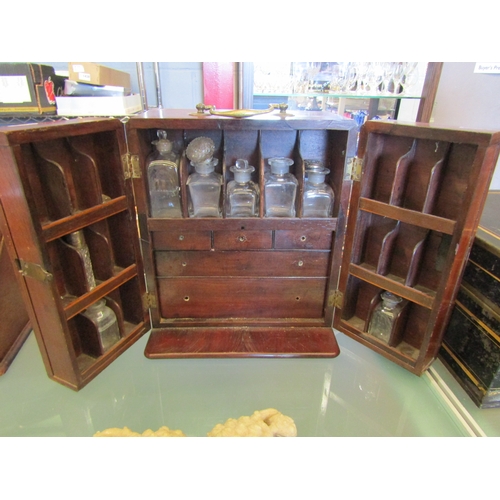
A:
<point x="280" y="189"/>
<point x="163" y="179"/>
<point x="318" y="197"/>
<point x="384" y="316"/>
<point x="99" y="313"/>
<point x="77" y="241"/>
<point x="105" y="322"/>
<point x="242" y="197"/>
<point x="204" y="185"/>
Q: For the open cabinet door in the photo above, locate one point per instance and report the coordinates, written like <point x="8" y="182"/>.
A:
<point x="409" y="228"/>
<point x="66" y="187"/>
<point x="15" y="326"/>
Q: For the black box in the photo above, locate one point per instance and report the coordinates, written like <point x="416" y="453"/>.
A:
<point x="28" y="89"/>
<point x="471" y="344"/>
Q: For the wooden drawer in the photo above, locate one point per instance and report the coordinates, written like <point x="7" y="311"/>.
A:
<point x="183" y="240"/>
<point x="243" y="240"/>
<point x="241" y="298"/>
<point x="251" y="263"/>
<point x="311" y="240"/>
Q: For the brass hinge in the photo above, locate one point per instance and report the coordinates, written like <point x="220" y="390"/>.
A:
<point x="149" y="301"/>
<point x="354" y="167"/>
<point x="131" y="167"/>
<point x="35" y="271"/>
<point x="336" y="299"/>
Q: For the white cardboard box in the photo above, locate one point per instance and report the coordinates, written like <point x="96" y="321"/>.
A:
<point x="99" y="106"/>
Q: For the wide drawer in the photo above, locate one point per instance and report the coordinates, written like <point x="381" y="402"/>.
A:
<point x="241" y="297"/>
<point x="249" y="263"/>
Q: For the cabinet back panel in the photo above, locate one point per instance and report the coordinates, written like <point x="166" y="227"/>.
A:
<point x="456" y="178"/>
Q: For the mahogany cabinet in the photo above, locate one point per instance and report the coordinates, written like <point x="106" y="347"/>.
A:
<point x="406" y="209"/>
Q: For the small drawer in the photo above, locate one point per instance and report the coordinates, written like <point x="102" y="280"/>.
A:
<point x="243" y="240"/>
<point x="310" y="240"/>
<point x="182" y="240"/>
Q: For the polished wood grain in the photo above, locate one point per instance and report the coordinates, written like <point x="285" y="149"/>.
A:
<point x="242" y="342"/>
<point x="15" y="326"/>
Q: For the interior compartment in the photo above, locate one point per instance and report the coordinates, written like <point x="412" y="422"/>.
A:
<point x="68" y="175"/>
<point x="360" y="300"/>
<point x="257" y="146"/>
<point x="329" y="147"/>
<point x="409" y="255"/>
<point x="423" y="175"/>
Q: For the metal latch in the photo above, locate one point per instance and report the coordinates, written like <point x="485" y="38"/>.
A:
<point x="354" y="168"/>
<point x="149" y="301"/>
<point x="35" y="271"/>
<point x="131" y="167"/>
<point x="336" y="299"/>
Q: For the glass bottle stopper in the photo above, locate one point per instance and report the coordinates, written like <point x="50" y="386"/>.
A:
<point x="317" y="176"/>
<point x="163" y="145"/>
<point x="312" y="165"/>
<point x="280" y="165"/>
<point x="200" y="150"/>
<point x="242" y="171"/>
<point x="390" y="299"/>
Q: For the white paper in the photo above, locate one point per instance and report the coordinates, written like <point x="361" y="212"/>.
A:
<point x="78" y="68"/>
<point x="84" y="76"/>
<point x="488" y="67"/>
<point x="14" y="89"/>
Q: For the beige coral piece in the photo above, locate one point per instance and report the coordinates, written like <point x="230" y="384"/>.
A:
<point x="163" y="431"/>
<point x="263" y="423"/>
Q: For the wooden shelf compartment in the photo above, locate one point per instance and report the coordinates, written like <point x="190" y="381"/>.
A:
<point x="422" y="175"/>
<point x="256" y="146"/>
<point x="67" y="175"/>
<point x="359" y="301"/>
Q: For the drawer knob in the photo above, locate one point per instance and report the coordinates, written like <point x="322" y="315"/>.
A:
<point x="303" y="238"/>
<point x="181" y="237"/>
<point x="242" y="238"/>
<point x="300" y="263"/>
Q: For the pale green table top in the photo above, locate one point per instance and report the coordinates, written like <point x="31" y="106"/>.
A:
<point x="359" y="393"/>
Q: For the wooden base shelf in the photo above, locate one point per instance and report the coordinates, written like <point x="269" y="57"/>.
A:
<point x="242" y="342"/>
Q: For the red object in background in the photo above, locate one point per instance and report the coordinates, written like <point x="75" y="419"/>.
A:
<point x="218" y="84"/>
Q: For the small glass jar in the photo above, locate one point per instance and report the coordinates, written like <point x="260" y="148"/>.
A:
<point x="242" y="196"/>
<point x="384" y="316"/>
<point x="105" y="322"/>
<point x="163" y="179"/>
<point x="204" y="185"/>
<point x="318" y="197"/>
<point x="280" y="189"/>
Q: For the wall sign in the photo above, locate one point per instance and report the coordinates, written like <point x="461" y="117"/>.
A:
<point x="487" y="67"/>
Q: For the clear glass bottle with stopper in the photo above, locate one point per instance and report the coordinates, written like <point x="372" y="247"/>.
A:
<point x="204" y="185"/>
<point x="384" y="316"/>
<point x="163" y="179"/>
<point x="242" y="196"/>
<point x="318" y="197"/>
<point x="102" y="316"/>
<point x="280" y="189"/>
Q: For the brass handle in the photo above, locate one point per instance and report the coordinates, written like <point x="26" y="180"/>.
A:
<point x="240" y="113"/>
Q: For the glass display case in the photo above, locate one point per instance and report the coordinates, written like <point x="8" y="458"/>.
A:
<point x="357" y="90"/>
